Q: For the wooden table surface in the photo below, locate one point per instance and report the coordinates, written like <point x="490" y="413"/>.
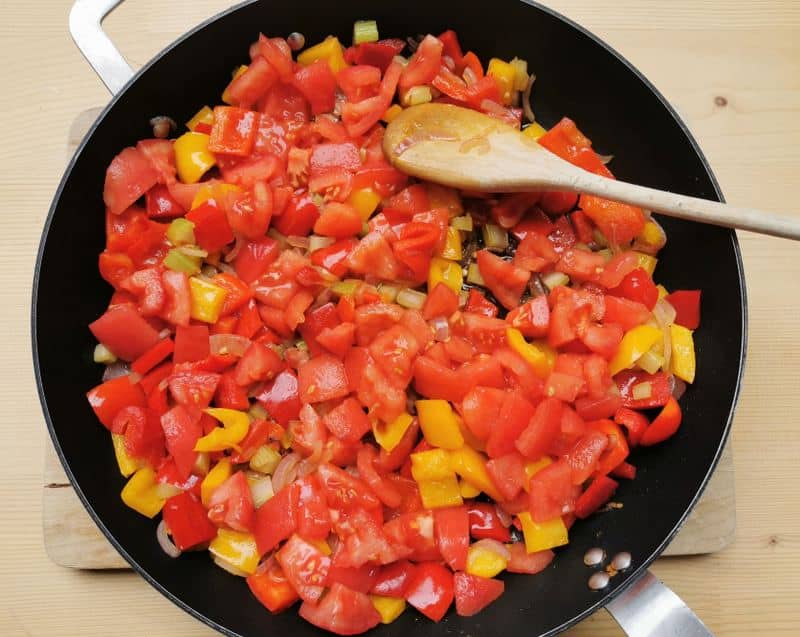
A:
<point x="731" y="67"/>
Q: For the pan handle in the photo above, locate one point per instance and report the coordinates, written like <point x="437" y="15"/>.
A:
<point x="648" y="608"/>
<point x="85" y="20"/>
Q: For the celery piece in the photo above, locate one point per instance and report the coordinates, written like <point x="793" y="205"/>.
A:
<point x="180" y="262"/>
<point x="365" y="31"/>
<point x="180" y="232"/>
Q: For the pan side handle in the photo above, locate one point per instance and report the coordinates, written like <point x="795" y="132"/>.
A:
<point x="85" y="26"/>
<point x="648" y="608"/>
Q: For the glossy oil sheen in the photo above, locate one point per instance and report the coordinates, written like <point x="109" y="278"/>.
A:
<point x="576" y="75"/>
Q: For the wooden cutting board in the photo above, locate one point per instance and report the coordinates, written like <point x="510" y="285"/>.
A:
<point x="73" y="540"/>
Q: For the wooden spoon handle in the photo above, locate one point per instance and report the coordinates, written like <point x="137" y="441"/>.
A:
<point x="684" y="207"/>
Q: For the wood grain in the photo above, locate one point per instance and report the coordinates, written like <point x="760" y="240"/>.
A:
<point x="748" y="54"/>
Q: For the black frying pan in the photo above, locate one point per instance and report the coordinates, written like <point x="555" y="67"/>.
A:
<point x="577" y="75"/>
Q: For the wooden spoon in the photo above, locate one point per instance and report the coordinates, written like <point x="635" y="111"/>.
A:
<point x="468" y="150"/>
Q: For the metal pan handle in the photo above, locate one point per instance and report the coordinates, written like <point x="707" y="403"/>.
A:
<point x="85" y="25"/>
<point x="647" y="608"/>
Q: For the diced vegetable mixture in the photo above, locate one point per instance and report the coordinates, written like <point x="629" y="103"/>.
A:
<point x="359" y="391"/>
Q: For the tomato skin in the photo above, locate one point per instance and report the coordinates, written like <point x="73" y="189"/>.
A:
<point x="505" y="280"/>
<point x="271" y="588"/>
<point x="275" y="520"/>
<point x="342" y="611"/>
<point x="305" y="566"/>
<point x="160" y="204"/>
<point x="624" y="312"/>
<point x="334" y="257"/>
<point x="124" y="332"/>
<point x="473" y="594"/>
<point x="430" y="591"/>
<point x="317" y="83"/>
<point x="108" y="398"/>
<point x="508" y="474"/>
<point x="583" y="457"/>
<point x="451" y="526"/>
<point x="322" y="378"/>
<point x="231" y="504"/>
<point x="129" y="175"/>
<point x="347" y="421"/>
<point x="551" y="492"/>
<point x="485" y="523"/>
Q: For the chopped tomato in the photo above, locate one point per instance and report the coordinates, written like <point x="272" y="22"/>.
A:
<point x="505" y="280"/>
<point x="129" y="176"/>
<point x="271" y="588"/>
<point x="342" y="611"/>
<point x="231" y="504"/>
<point x="473" y="593"/>
<point x="122" y="330"/>
<point x="452" y="535"/>
<point x="322" y="378"/>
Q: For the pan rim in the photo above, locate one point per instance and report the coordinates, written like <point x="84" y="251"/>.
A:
<point x="197" y="614"/>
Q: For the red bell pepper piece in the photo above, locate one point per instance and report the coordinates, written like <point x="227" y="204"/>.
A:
<point x="598" y="493"/>
<point x="660" y="390"/>
<point x="452" y="535"/>
<point x="380" y="53"/>
<point x="479" y="304"/>
<point x="430" y="591"/>
<point x="637" y="286"/>
<point x="617" y="449"/>
<point x="664" y="425"/>
<point x="485" y="523"/>
<point x="625" y="470"/>
<point x="160" y="204"/>
<point x="187" y="521"/>
<point x="271" y="588"/>
<point x="234" y="131"/>
<point x="687" y="307"/>
<point x="211" y="229"/>
<point x="474" y="593"/>
<point x="393" y="579"/>
<point x="634" y="422"/>
<point x="153" y="356"/>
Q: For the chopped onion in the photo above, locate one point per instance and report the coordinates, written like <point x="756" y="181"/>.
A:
<point x="103" y="355"/>
<point x="520" y="74"/>
<point x="265" y="460"/>
<point x="474" y="275"/>
<point x="298" y="242"/>
<point x="260" y="487"/>
<point x="286" y="471"/>
<point x="234" y="251"/>
<point x="641" y="391"/>
<point x="494" y="546"/>
<point x="228" y="344"/>
<point x="495" y="238"/>
<point x="316" y="242"/>
<point x="463" y="297"/>
<point x="193" y="251"/>
<point x="165" y="542"/>
<point x="164" y="333"/>
<point x="227" y="566"/>
<point x="281" y="239"/>
<point x="462" y="223"/>
<point x="307" y="466"/>
<point x="526" y="100"/>
<point x="449" y="62"/>
<point x="441" y="329"/>
<point x="665" y="315"/>
<point x="469" y="76"/>
<point x="411" y="299"/>
<point x="165" y="490"/>
<point x="650" y="361"/>
<point x="115" y="370"/>
<point x="425" y="523"/>
<point x="678" y="387"/>
<point x="605" y="159"/>
<point x="388" y="293"/>
<point x="555" y="279"/>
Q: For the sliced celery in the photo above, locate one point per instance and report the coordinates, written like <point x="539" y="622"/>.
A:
<point x="365" y="31"/>
<point x="180" y="232"/>
<point x="180" y="262"/>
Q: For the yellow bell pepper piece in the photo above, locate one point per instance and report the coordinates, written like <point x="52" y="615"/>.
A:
<point x="532" y="468"/>
<point x="540" y="356"/>
<point x="652" y="235"/>
<point x="127" y="464"/>
<point x="322" y="546"/>
<point x="505" y="75"/>
<point x="192" y="157"/>
<point x="647" y="262"/>
<point x="140" y="493"/>
<point x="444" y="197"/>
<point x="683" y="358"/>
<point x="389" y="608"/>
<point x="467" y="490"/>
<point x="218" y="474"/>
<point x="471" y="466"/>
<point x="662" y="291"/>
<point x="213" y="192"/>
<point x="447" y="272"/>
<point x="207" y="300"/>
<point x="547" y="535"/>
<point x="204" y="116"/>
<point x="226" y="96"/>
<point x="237" y="549"/>
<point x="329" y="49"/>
<point x="388" y="435"/>
<point x="393" y="111"/>
<point x="235" y="425"/>
<point x="452" y="245"/>
<point x="483" y="562"/>
<point x="436" y="494"/>
<point x="433" y="464"/>
<point x="534" y="131"/>
<point x="365" y="201"/>
<point x="439" y="424"/>
<point x="635" y="343"/>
